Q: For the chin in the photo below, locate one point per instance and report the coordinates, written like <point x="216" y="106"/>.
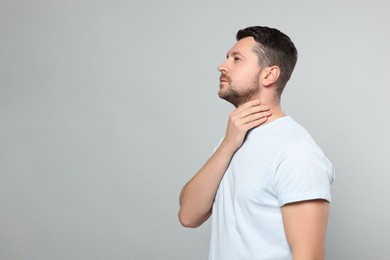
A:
<point x="222" y="94"/>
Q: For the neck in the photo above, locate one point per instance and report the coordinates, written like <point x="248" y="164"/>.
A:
<point x="274" y="105"/>
<point x="276" y="111"/>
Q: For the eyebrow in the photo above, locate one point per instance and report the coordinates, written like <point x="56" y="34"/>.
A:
<point x="235" y="53"/>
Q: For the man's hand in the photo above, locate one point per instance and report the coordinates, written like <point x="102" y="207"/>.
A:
<point x="245" y="117"/>
<point x="197" y="196"/>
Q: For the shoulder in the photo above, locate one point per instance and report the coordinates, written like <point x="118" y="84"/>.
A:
<point x="299" y="143"/>
<point x="303" y="157"/>
<point x="301" y="148"/>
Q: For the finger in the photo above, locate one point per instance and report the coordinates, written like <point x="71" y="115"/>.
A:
<point x="250" y="114"/>
<point x="255" y="116"/>
<point x="254" y="110"/>
<point x="255" y="123"/>
<point x="249" y="111"/>
<point x="245" y="111"/>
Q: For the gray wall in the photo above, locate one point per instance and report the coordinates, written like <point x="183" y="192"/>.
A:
<point x="108" y="107"/>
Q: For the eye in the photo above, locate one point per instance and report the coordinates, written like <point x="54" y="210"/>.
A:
<point x="236" y="59"/>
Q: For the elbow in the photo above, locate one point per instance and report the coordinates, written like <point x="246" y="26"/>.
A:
<point x="315" y="254"/>
<point x="187" y="221"/>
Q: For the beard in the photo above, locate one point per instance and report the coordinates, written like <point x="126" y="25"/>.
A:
<point x="238" y="94"/>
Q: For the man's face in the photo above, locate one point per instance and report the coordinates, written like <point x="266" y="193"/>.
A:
<point x="240" y="73"/>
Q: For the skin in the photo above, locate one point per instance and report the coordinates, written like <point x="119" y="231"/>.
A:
<point x="252" y="90"/>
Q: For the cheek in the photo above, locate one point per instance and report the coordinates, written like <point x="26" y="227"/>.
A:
<point x="247" y="76"/>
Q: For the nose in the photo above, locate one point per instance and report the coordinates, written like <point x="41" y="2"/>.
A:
<point x="222" y="68"/>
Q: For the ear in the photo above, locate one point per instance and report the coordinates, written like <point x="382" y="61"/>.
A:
<point x="270" y="76"/>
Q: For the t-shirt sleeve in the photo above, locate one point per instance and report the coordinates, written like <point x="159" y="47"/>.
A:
<point x="303" y="173"/>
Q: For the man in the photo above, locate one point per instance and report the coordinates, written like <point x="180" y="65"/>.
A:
<point x="267" y="185"/>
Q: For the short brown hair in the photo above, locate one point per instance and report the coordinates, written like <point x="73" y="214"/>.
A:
<point x="273" y="48"/>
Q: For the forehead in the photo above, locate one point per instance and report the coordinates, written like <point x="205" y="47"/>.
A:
<point x="244" y="46"/>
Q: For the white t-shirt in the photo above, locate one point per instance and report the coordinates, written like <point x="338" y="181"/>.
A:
<point x="278" y="163"/>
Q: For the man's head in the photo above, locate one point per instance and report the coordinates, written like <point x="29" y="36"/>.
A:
<point x="262" y="57"/>
<point x="273" y="48"/>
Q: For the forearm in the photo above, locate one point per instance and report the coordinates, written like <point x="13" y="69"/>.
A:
<point x="197" y="196"/>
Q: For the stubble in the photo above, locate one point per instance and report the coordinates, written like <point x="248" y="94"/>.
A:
<point x="237" y="94"/>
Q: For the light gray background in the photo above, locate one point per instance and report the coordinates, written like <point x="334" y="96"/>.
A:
<point x="108" y="107"/>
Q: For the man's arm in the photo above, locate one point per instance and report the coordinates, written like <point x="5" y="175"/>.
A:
<point x="305" y="225"/>
<point x="197" y="196"/>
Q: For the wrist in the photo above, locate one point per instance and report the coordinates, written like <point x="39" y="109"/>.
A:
<point x="226" y="147"/>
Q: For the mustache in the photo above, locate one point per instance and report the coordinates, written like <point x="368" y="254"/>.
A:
<point x="224" y="77"/>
